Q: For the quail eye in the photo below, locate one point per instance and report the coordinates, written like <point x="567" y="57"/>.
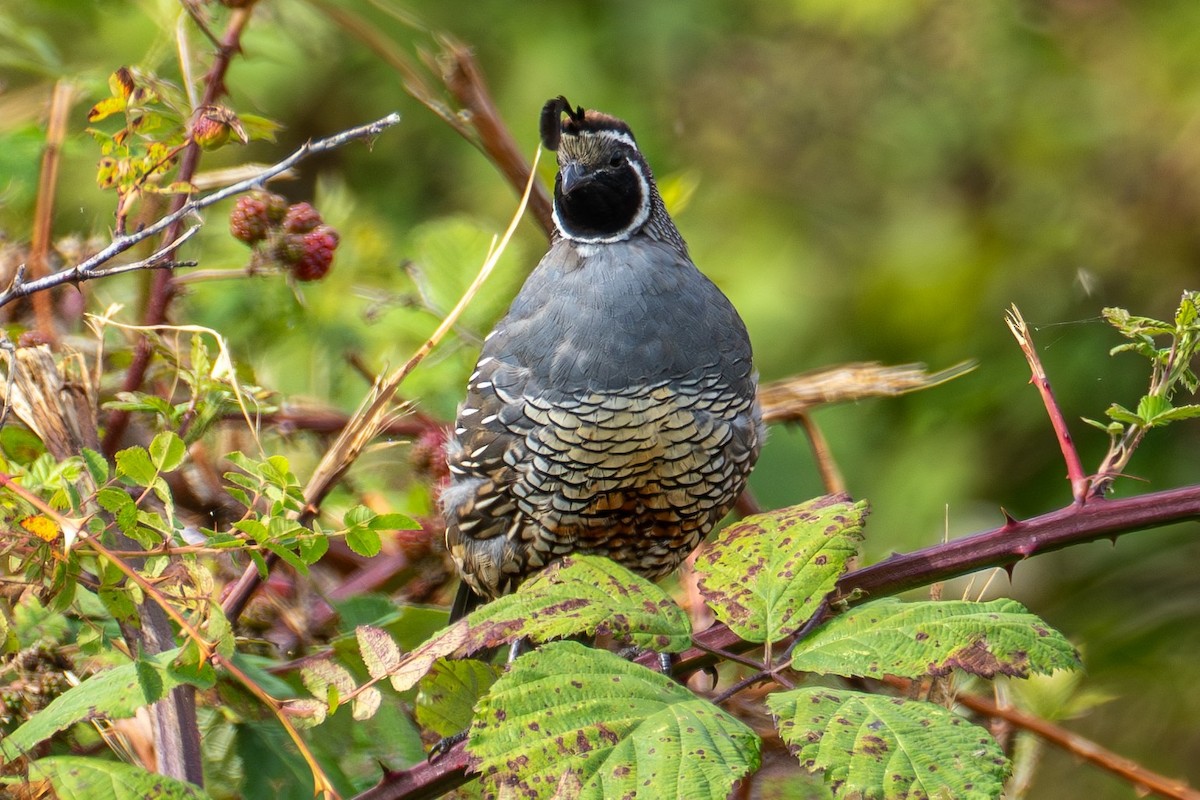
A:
<point x="615" y="160"/>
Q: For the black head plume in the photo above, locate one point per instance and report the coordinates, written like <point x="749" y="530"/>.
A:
<point x="550" y="126"/>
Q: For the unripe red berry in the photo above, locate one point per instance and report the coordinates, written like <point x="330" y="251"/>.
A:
<point x="317" y="255"/>
<point x="301" y="218"/>
<point x="249" y="221"/>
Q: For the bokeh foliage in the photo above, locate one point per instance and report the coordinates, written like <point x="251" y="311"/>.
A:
<point x="872" y="180"/>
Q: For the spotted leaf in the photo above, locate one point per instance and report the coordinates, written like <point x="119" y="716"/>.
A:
<point x="888" y="637"/>
<point x="569" y="720"/>
<point x="765" y="575"/>
<point x="875" y="747"/>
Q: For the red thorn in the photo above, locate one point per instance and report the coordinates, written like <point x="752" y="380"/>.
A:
<point x="1009" y="569"/>
<point x="1009" y="520"/>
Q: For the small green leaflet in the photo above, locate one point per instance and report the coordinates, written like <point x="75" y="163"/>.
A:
<point x="888" y="637"/>
<point x="875" y="747"/>
<point x="765" y="575"/>
<point x="593" y="725"/>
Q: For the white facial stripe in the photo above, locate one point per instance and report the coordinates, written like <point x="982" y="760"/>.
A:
<point x="616" y="136"/>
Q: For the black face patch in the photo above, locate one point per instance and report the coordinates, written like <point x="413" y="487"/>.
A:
<point x="603" y="203"/>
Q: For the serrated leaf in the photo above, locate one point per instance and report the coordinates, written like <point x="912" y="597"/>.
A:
<point x="610" y="727"/>
<point x="888" y="637"/>
<point x="115" y="693"/>
<point x="875" y="747"/>
<point x="364" y="541"/>
<point x="1177" y="413"/>
<point x="579" y="594"/>
<point x="417" y="664"/>
<point x="379" y="650"/>
<point x="1122" y="414"/>
<point x="167" y="451"/>
<point x="259" y="128"/>
<point x="585" y="594"/>
<point x="394" y="522"/>
<point x="312" y="548"/>
<point x="366" y="703"/>
<point x="84" y="778"/>
<point x="288" y="556"/>
<point x="326" y="679"/>
<point x="448" y="694"/>
<point x="134" y="463"/>
<point x="97" y="465"/>
<point x="106" y="108"/>
<point x="765" y="575"/>
<point x="358" y="515"/>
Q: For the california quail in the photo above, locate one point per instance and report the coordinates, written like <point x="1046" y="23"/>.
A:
<point x="612" y="410"/>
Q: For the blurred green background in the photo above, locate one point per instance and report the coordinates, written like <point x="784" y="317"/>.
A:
<point x="869" y="180"/>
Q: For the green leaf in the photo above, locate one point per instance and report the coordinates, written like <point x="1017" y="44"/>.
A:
<point x="312" y="547"/>
<point x="86" y="778"/>
<point x="594" y="725"/>
<point x="288" y="556"/>
<point x="585" y="594"/>
<point x="888" y="637"/>
<point x="118" y="503"/>
<point x="875" y="747"/>
<point x="1178" y="413"/>
<point x="1111" y="428"/>
<point x="1151" y="405"/>
<point x="447" y="695"/>
<point x="134" y="463"/>
<point x="394" y="522"/>
<point x="1122" y="414"/>
<point x="363" y="541"/>
<point x="97" y="465"/>
<point x="259" y="128"/>
<point x="167" y="451"/>
<point x="114" y="693"/>
<point x="765" y="575"/>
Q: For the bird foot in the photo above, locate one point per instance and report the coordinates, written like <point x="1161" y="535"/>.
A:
<point x="444" y="745"/>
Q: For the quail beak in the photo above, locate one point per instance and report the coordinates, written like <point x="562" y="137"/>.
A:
<point x="573" y="176"/>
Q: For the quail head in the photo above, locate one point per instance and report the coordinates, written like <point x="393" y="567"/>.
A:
<point x="612" y="410"/>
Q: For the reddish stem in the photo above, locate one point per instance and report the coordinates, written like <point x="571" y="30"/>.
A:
<point x="1079" y="481"/>
<point x="162" y="290"/>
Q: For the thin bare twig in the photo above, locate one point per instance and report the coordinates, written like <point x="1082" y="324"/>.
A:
<point x="159" y="259"/>
<point x="1079" y="480"/>
<point x="831" y="476"/>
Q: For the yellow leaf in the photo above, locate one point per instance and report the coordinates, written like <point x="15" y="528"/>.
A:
<point x="41" y="527"/>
